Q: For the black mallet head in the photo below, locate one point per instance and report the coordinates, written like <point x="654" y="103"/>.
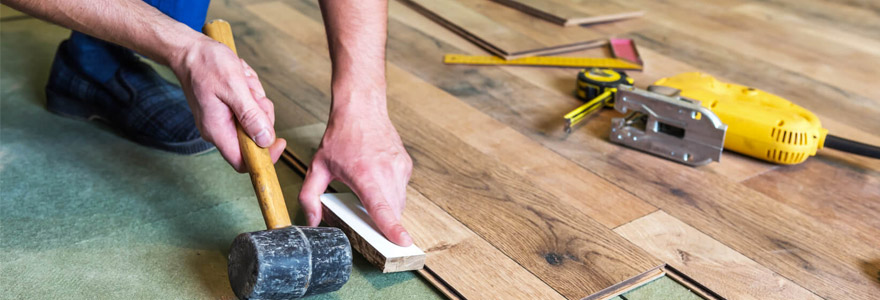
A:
<point x="290" y="262"/>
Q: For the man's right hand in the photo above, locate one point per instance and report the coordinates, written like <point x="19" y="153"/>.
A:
<point x="220" y="89"/>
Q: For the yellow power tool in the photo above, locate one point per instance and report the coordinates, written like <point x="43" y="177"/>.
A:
<point x="758" y="124"/>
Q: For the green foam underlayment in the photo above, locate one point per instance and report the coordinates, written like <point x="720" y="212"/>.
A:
<point x="659" y="289"/>
<point x="86" y="214"/>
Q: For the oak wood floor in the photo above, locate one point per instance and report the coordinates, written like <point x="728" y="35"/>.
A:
<point x="506" y="204"/>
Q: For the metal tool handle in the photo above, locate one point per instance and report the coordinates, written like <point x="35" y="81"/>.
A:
<point x="257" y="160"/>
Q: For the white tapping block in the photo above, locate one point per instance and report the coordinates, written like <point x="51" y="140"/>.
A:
<point x="347" y="213"/>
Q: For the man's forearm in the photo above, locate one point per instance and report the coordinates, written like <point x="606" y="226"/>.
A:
<point x="356" y="34"/>
<point x="130" y="23"/>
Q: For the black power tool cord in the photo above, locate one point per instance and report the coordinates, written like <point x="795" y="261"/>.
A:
<point x="845" y="145"/>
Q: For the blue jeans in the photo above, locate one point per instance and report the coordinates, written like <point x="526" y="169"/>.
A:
<point x="100" y="60"/>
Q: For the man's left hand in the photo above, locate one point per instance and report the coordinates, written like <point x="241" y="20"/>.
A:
<point x="362" y="149"/>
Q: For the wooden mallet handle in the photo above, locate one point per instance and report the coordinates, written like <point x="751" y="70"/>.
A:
<point x="257" y="160"/>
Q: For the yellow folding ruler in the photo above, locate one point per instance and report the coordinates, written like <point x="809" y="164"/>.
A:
<point x="549" y="61"/>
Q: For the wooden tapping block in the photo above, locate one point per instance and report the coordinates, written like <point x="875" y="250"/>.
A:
<point x="344" y="210"/>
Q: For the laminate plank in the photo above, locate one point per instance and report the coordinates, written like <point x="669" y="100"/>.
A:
<point x="783" y="239"/>
<point x="570" y="13"/>
<point x="775" y="16"/>
<point x="797" y="52"/>
<point x="595" y="197"/>
<point x="771" y="233"/>
<point x="454" y="252"/>
<point x="399" y="11"/>
<point x="744" y="68"/>
<point x="474" y="23"/>
<point x="574" y="254"/>
<point x="496" y="28"/>
<point x="568" y="182"/>
<point x="558" y="81"/>
<point x="851" y="108"/>
<point x="835" y="14"/>
<point x="467" y="262"/>
<point x="851" y="206"/>
<point x="711" y="263"/>
<point x="549" y="34"/>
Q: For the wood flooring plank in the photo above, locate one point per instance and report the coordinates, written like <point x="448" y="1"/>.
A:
<point x="771" y="233"/>
<point x="851" y="205"/>
<point x="548" y="34"/>
<point x="574" y="254"/>
<point x="470" y="264"/>
<point x="837" y="14"/>
<point x="847" y="107"/>
<point x="454" y="252"/>
<point x="498" y="28"/>
<point x="478" y="25"/>
<point x="850" y="106"/>
<point x="709" y="262"/>
<point x="568" y="182"/>
<point x="399" y="11"/>
<point x="780" y="44"/>
<point x="567" y="249"/>
<point x="571" y="13"/>
<point x="777" y="236"/>
<point x="601" y="202"/>
<point x="776" y="16"/>
<point x="559" y="82"/>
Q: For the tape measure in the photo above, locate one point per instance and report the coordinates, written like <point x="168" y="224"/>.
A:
<point x="596" y="87"/>
<point x="546" y="61"/>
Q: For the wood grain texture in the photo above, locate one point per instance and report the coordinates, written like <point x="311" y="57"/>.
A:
<point x="564" y="179"/>
<point x="766" y="213"/>
<point x="462" y="258"/>
<point x="552" y="249"/>
<point x="713" y="264"/>
<point x="795" y="78"/>
<point x="498" y="28"/>
<point x="571" y="13"/>
<point x="567" y="249"/>
<point x="801" y="54"/>
<point x="853" y="209"/>
<point x="511" y="100"/>
<point x="558" y="82"/>
<point x="567" y="181"/>
<point x="456" y="253"/>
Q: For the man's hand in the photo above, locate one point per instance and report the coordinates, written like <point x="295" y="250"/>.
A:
<point x="220" y="89"/>
<point x="362" y="150"/>
<point x="360" y="147"/>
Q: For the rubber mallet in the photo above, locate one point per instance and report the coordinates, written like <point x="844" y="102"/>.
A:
<point x="284" y="261"/>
